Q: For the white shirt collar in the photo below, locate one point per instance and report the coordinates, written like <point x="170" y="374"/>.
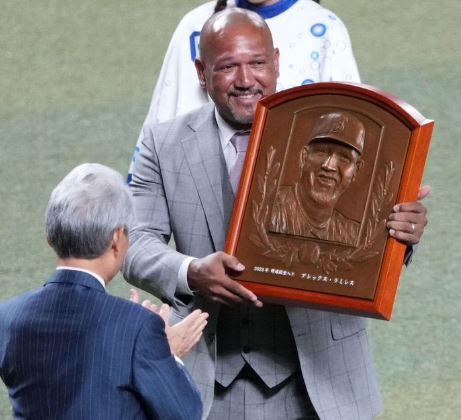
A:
<point x="91" y="273"/>
<point x="225" y="130"/>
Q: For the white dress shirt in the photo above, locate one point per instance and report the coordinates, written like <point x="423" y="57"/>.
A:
<point x="91" y="273"/>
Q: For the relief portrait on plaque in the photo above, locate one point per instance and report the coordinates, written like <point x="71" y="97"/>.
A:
<point x="328" y="162"/>
<point x="325" y="165"/>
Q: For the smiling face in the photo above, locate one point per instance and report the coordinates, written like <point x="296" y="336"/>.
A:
<point x="238" y="66"/>
<point x="328" y="168"/>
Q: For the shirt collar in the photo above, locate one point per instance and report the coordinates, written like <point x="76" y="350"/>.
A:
<point x="226" y="132"/>
<point x="91" y="273"/>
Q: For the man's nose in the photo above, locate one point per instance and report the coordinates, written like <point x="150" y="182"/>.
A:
<point x="330" y="163"/>
<point x="244" y="78"/>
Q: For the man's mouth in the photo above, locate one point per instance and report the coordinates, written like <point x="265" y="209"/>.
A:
<point x="247" y="95"/>
<point x="328" y="181"/>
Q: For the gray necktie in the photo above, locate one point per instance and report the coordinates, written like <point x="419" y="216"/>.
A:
<point x="240" y="141"/>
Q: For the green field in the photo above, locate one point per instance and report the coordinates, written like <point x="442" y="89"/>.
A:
<point x="76" y="79"/>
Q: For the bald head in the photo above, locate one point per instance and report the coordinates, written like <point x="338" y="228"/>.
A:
<point x="238" y="63"/>
<point x="220" y="23"/>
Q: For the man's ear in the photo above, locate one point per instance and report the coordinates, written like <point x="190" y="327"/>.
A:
<point x="276" y="61"/>
<point x="117" y="238"/>
<point x="359" y="164"/>
<point x="303" y="157"/>
<point x="200" y="68"/>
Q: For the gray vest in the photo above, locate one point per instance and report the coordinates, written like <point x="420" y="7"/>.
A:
<point x="260" y="337"/>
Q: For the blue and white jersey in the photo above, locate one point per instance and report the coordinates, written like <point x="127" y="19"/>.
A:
<point x="314" y="47"/>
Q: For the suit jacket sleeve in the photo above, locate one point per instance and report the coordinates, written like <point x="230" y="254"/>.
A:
<point x="150" y="263"/>
<point x="165" y="388"/>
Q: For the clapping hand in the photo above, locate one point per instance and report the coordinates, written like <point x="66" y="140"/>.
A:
<point x="181" y="336"/>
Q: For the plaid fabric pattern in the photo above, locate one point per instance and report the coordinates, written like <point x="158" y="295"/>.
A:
<point x="181" y="188"/>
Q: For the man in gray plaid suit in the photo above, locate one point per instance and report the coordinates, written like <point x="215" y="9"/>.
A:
<point x="255" y="361"/>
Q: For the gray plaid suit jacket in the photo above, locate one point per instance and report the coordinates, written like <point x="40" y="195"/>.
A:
<point x="179" y="183"/>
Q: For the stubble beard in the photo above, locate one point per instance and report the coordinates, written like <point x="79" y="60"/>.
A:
<point x="244" y="119"/>
<point x="324" y="196"/>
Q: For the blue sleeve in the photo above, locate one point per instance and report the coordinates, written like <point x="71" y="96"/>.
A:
<point x="165" y="388"/>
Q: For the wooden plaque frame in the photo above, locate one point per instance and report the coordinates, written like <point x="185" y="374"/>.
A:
<point x="275" y="270"/>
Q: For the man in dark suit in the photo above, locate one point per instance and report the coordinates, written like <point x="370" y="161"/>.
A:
<point x="256" y="362"/>
<point x="71" y="351"/>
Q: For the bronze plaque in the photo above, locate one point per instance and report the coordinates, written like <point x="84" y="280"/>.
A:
<point x="325" y="165"/>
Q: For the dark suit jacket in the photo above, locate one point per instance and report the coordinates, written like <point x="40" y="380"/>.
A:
<point x="71" y="351"/>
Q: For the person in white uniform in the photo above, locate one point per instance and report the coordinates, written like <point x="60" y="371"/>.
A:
<point x="314" y="47"/>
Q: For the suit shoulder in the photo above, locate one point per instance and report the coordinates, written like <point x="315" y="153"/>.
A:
<point x="176" y="128"/>
<point x="12" y="308"/>
<point x="17" y="301"/>
<point x="135" y="311"/>
<point x="192" y="118"/>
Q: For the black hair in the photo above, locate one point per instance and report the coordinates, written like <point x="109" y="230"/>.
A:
<point x="220" y="5"/>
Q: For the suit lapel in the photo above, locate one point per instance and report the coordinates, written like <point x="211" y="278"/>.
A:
<point x="205" y="158"/>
